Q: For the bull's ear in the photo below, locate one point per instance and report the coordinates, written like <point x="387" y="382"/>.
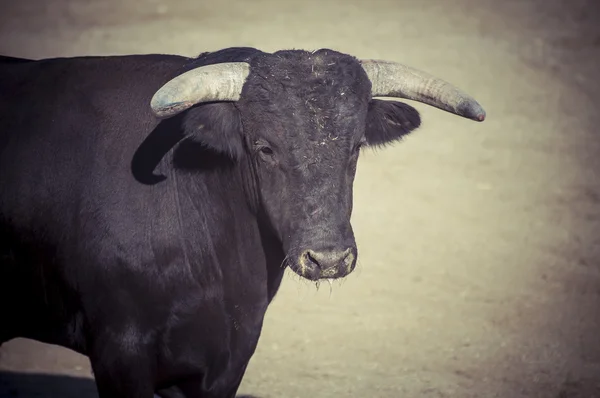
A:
<point x="217" y="125"/>
<point x="389" y="121"/>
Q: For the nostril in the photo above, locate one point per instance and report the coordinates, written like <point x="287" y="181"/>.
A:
<point x="312" y="257"/>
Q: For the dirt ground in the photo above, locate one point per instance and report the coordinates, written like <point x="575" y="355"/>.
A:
<point x="479" y="266"/>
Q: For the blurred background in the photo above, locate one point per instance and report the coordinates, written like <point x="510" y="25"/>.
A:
<point x="479" y="271"/>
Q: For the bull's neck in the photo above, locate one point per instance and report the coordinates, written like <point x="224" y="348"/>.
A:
<point x="226" y="202"/>
<point x="271" y="244"/>
<point x="246" y="171"/>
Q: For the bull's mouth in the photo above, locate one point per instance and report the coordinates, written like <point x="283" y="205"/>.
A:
<point x="330" y="264"/>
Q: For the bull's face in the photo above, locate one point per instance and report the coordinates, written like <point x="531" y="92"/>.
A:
<point x="297" y="127"/>
<point x="304" y="118"/>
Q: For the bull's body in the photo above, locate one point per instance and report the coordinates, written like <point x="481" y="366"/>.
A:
<point x="170" y="279"/>
<point x="147" y="252"/>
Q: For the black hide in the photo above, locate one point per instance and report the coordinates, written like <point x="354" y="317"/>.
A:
<point x="154" y="247"/>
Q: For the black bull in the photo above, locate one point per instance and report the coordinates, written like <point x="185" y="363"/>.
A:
<point x="155" y="246"/>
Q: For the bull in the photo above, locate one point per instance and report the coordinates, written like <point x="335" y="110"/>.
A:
<point x="150" y="204"/>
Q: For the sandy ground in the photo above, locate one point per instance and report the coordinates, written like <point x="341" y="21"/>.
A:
<point x="479" y="270"/>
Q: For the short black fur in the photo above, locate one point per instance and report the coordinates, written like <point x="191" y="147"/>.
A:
<point x="155" y="247"/>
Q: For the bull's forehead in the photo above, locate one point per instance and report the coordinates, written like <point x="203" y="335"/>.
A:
<point x="316" y="97"/>
<point x="312" y="72"/>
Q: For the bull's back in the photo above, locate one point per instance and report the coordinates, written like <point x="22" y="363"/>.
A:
<point x="13" y="60"/>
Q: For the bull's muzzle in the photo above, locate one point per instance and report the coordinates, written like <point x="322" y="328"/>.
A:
<point x="326" y="264"/>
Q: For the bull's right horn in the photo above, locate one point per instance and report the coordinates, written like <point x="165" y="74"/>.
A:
<point x="209" y="83"/>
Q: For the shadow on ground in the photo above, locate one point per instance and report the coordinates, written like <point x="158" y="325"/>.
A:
<point x="40" y="385"/>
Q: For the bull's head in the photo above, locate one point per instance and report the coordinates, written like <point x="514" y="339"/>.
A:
<point x="300" y="119"/>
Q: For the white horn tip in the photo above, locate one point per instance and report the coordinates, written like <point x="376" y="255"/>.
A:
<point x="472" y="110"/>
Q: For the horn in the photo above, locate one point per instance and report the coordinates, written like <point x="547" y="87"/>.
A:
<point x="390" y="79"/>
<point x="209" y="83"/>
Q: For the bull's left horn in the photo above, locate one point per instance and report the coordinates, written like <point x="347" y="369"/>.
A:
<point x="390" y="79"/>
<point x="209" y="83"/>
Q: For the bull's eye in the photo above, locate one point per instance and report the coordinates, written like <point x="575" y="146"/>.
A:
<point x="265" y="150"/>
